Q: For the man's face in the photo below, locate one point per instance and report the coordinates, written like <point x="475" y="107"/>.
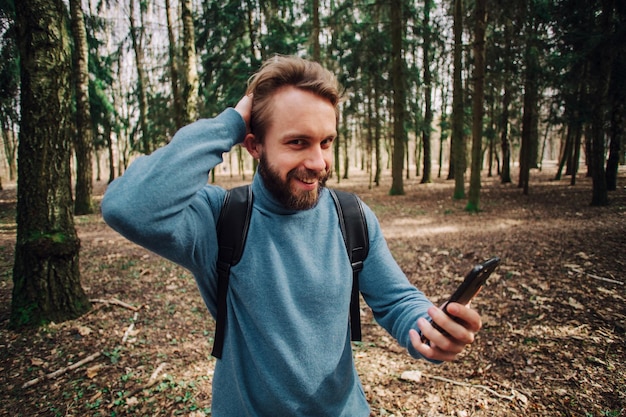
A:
<point x="295" y="157"/>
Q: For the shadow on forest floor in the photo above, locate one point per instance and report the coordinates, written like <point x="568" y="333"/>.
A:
<point x="553" y="341"/>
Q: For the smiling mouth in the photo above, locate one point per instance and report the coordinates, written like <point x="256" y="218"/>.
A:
<point x="308" y="183"/>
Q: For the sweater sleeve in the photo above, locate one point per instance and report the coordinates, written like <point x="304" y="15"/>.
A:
<point x="163" y="202"/>
<point x="395" y="302"/>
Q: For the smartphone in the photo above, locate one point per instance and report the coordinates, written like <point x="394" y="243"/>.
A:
<point x="468" y="289"/>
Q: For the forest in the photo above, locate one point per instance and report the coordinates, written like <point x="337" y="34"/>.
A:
<point x="484" y="126"/>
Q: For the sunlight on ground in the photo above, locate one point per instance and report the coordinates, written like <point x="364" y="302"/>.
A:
<point x="411" y="227"/>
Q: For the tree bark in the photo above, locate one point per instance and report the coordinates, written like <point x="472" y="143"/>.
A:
<point x="137" y="41"/>
<point x="46" y="273"/>
<point x="190" y="92"/>
<point x="315" y="32"/>
<point x="83" y="140"/>
<point x="478" y="110"/>
<point x="529" y="116"/>
<point x="457" y="137"/>
<point x="505" y="177"/>
<point x="179" y="118"/>
<point x="397" y="75"/>
<point x="428" y="111"/>
<point x="617" y="134"/>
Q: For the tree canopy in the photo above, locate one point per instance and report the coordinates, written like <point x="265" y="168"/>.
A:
<point x="553" y="81"/>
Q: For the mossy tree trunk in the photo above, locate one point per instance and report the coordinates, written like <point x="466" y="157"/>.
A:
<point x="46" y="272"/>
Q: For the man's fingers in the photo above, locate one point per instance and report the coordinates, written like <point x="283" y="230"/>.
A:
<point x="448" y="334"/>
<point x="470" y="318"/>
<point x="430" y="351"/>
<point x="244" y="108"/>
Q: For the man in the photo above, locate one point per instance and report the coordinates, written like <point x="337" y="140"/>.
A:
<point x="287" y="348"/>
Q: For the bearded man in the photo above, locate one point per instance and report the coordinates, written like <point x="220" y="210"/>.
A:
<point x="287" y="349"/>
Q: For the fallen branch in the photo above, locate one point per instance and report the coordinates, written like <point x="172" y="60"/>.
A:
<point x="467" y="384"/>
<point x="130" y="328"/>
<point x="116" y="302"/>
<point x="155" y="378"/>
<point x="612" y="281"/>
<point x="599" y="278"/>
<point x="62" y="371"/>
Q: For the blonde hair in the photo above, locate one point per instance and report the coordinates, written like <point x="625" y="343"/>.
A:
<point x="281" y="71"/>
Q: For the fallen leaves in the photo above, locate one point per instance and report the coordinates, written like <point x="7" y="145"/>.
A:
<point x="554" y="318"/>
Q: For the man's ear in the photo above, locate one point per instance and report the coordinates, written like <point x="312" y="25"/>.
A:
<point x="253" y="145"/>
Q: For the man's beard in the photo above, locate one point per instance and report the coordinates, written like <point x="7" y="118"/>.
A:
<point x="282" y="191"/>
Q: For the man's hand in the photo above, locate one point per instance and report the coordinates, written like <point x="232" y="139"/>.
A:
<point x="244" y="108"/>
<point x="446" y="348"/>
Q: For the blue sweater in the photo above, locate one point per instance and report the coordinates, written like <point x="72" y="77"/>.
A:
<point x="287" y="348"/>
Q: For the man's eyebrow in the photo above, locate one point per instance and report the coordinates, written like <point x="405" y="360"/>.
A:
<point x="300" y="135"/>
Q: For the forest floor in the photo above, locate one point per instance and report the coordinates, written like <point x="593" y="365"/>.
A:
<point x="554" y="313"/>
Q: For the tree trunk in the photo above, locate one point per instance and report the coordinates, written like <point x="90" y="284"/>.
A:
<point x="601" y="63"/>
<point x="457" y="137"/>
<point x="443" y="126"/>
<point x="397" y="76"/>
<point x="529" y="116"/>
<point x="315" y="32"/>
<point x="190" y="92"/>
<point x="377" y="133"/>
<point x="46" y="273"/>
<point x="566" y="150"/>
<point x="136" y="34"/>
<point x="506" y="101"/>
<point x="478" y="111"/>
<point x="575" y="153"/>
<point x="83" y="140"/>
<point x="618" y="124"/>
<point x="337" y="150"/>
<point x="428" y="112"/>
<point x="9" y="141"/>
<point x="346" y="145"/>
<point x="179" y="118"/>
<point x="617" y="133"/>
<point x="370" y="130"/>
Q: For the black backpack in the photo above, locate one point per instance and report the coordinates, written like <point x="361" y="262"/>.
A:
<point x="232" y="230"/>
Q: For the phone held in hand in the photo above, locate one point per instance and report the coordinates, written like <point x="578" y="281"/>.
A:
<point x="468" y="289"/>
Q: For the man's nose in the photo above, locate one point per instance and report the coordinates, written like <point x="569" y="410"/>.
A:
<point x="315" y="160"/>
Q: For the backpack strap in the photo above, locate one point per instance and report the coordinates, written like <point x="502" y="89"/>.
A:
<point x="355" y="236"/>
<point x="232" y="230"/>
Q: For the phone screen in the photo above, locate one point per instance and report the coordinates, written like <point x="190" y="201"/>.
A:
<point x="468" y="289"/>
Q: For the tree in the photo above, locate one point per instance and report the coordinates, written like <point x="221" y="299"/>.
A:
<point x="536" y="43"/>
<point x="190" y="92"/>
<point x="457" y="137"/>
<point x="505" y="141"/>
<point x="137" y="36"/>
<point x="428" y="111"/>
<point x="601" y="61"/>
<point x="9" y="87"/>
<point x="46" y="273"/>
<point x="83" y="140"/>
<point x="316" y="53"/>
<point x="397" y="76"/>
<point x="618" y="119"/>
<point x="173" y="56"/>
<point x="478" y="110"/>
